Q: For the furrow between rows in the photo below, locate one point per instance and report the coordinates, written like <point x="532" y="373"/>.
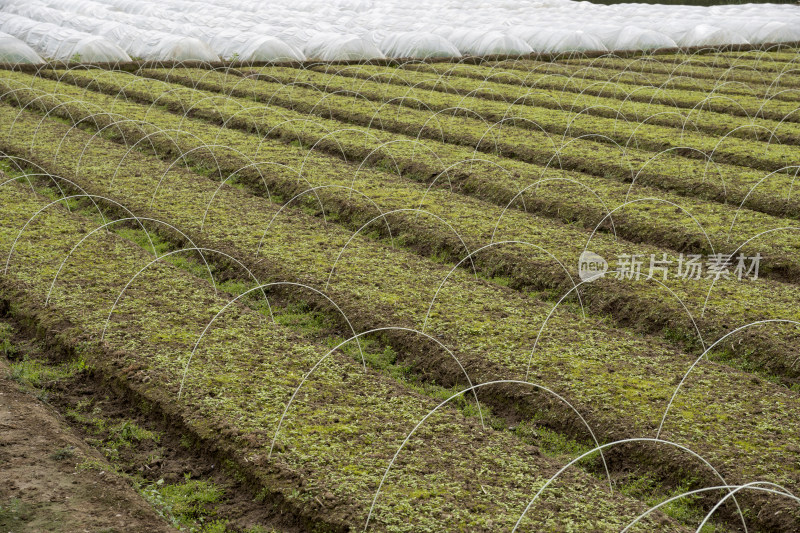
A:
<point x="621" y="383"/>
<point x="530" y="252"/>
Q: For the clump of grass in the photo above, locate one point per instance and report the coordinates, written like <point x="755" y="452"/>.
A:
<point x="15" y="511"/>
<point x="91" y="463"/>
<point x="129" y="432"/>
<point x="554" y="444"/>
<point x="192" y="498"/>
<point x="111" y="438"/>
<point x="685" y="510"/>
<point x="7" y="348"/>
<point x="189" y="506"/>
<point x="300" y="317"/>
<point x="63" y="454"/>
<point x="33" y="373"/>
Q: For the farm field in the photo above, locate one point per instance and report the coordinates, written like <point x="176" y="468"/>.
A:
<point x="502" y="294"/>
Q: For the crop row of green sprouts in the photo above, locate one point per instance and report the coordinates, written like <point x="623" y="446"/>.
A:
<point x="452" y="367"/>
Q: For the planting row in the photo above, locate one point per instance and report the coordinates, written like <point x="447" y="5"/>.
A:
<point x="496" y="179"/>
<point x="338" y="438"/>
<point x="540" y="75"/>
<point x="453" y="224"/>
<point x="619" y="382"/>
<point x="616" y="124"/>
<point x="686" y="67"/>
<point x="704" y="98"/>
<point x="768" y="61"/>
<point x="647" y="72"/>
<point x="634" y="121"/>
<point x="667" y="169"/>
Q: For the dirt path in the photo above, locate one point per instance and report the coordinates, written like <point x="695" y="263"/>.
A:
<point x="51" y="481"/>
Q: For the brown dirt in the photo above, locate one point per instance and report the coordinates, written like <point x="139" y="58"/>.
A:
<point x="41" y="488"/>
<point x="89" y="410"/>
<point x="172" y="459"/>
<point x="49" y="493"/>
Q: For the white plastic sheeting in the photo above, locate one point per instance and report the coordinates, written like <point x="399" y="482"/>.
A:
<point x="559" y="40"/>
<point x="636" y="38"/>
<point x="153" y="44"/>
<point x="145" y="44"/>
<point x="225" y="42"/>
<point x="247" y="46"/>
<point x="366" y="29"/>
<point x="14" y="51"/>
<point x="416" y="44"/>
<point x="478" y="43"/>
<point x="709" y="35"/>
<point x="333" y="46"/>
<point x="769" y="32"/>
<point x="56" y="42"/>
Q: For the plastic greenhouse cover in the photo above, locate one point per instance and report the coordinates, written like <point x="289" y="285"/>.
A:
<point x="559" y="39"/>
<point x="365" y="29"/>
<point x="332" y="46"/>
<point x="247" y="46"/>
<point x="56" y="42"/>
<point x="478" y="42"/>
<point x="636" y="38"/>
<point x="208" y="43"/>
<point x="146" y="44"/>
<point x="708" y="35"/>
<point x="417" y="44"/>
<point x="770" y="32"/>
<point x="12" y="50"/>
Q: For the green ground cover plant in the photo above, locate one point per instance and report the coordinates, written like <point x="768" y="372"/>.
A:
<point x="633" y="119"/>
<point x="221" y="404"/>
<point x="744" y="105"/>
<point x="438" y="106"/>
<point x="392" y="283"/>
<point x="669" y="215"/>
<point x="464" y="224"/>
<point x="330" y="200"/>
<point x="755" y="59"/>
<point x="643" y="70"/>
<point x="668" y="169"/>
<point x="693" y="66"/>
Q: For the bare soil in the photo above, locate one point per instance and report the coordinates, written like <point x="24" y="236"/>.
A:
<point x="42" y="486"/>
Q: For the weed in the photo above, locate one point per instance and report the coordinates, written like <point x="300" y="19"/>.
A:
<point x="94" y="464"/>
<point x="38" y="375"/>
<point x="191" y="504"/>
<point x="63" y="453"/>
<point x="129" y="432"/>
<point x="7" y="347"/>
<point x="15" y="513"/>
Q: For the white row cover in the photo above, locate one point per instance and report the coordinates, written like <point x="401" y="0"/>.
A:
<point x="333" y="46"/>
<point x="194" y="40"/>
<point x="145" y="44"/>
<point x="253" y="30"/>
<point x="709" y="35"/>
<point x="230" y="43"/>
<point x="558" y="40"/>
<point x="55" y="42"/>
<point x="763" y="22"/>
<point x="417" y="44"/>
<point x="479" y="43"/>
<point x="14" y="51"/>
